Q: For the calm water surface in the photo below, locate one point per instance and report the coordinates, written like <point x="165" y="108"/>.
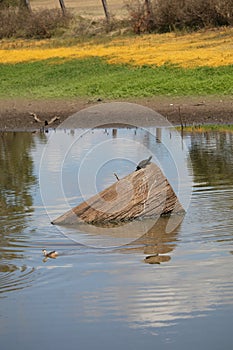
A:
<point x="99" y="292"/>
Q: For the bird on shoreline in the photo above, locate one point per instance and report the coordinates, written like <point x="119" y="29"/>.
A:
<point x="52" y="254"/>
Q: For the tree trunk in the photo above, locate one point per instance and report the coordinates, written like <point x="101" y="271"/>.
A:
<point x="25" y="4"/>
<point x="107" y="14"/>
<point x="148" y="7"/>
<point x="149" y="15"/>
<point x="63" y="7"/>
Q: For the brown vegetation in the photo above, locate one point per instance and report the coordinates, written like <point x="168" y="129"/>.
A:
<point x="19" y="22"/>
<point x="169" y="15"/>
<point x="142" y="16"/>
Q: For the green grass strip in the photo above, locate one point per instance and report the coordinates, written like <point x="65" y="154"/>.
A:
<point x="207" y="128"/>
<point x="94" y="77"/>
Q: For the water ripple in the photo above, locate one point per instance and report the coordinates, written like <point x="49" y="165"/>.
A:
<point x="13" y="277"/>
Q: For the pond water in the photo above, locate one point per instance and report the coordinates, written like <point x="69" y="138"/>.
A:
<point x="100" y="292"/>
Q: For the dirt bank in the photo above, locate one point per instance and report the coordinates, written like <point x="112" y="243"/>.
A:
<point x="15" y="113"/>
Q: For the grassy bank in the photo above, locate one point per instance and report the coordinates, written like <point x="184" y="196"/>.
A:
<point x="169" y="64"/>
<point x="207" y="128"/>
<point x="93" y="77"/>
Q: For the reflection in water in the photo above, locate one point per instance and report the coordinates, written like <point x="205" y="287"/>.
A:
<point x="17" y="178"/>
<point x="156" y="243"/>
<point x="16" y="205"/>
<point x="156" y="259"/>
<point x="148" y="236"/>
<point x="16" y="175"/>
<point x="212" y="158"/>
<point x="129" y="235"/>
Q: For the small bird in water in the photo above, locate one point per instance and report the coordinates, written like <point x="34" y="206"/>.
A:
<point x="143" y="163"/>
<point x="52" y="254"/>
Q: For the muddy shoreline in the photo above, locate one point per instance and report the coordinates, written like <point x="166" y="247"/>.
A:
<point x="17" y="114"/>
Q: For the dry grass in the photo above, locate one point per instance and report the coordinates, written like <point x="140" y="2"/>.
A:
<point x="86" y="19"/>
<point x="46" y="23"/>
<point x="172" y="15"/>
<point x="91" y="8"/>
